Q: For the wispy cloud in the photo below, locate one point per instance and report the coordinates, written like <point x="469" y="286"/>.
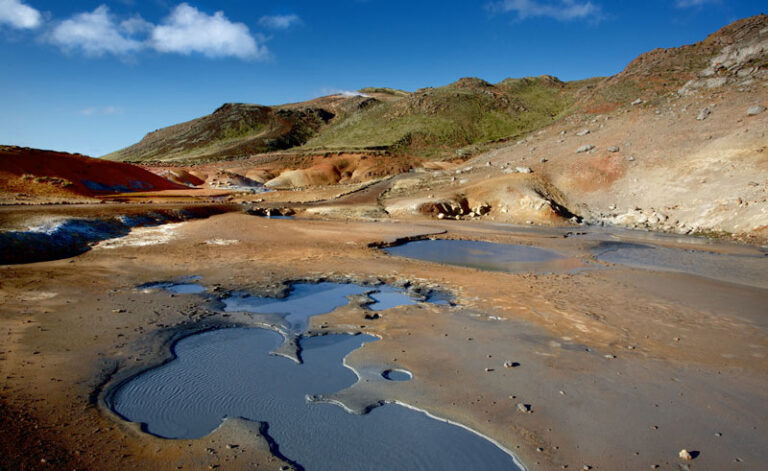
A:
<point x="694" y="3"/>
<point x="279" y="21"/>
<point x="561" y="10"/>
<point x="18" y="15"/>
<point x="336" y="91"/>
<point x="95" y="34"/>
<point x="189" y="30"/>
<point x="95" y="111"/>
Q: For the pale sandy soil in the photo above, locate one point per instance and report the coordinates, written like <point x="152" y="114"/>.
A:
<point x="622" y="367"/>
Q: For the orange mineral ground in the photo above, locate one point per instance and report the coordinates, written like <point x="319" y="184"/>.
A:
<point x="28" y="172"/>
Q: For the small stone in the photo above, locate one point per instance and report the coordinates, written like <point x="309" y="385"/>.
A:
<point x="718" y="434"/>
<point x="583" y="133"/>
<point x="526" y="408"/>
<point x="441" y="216"/>
<point x="544" y="161"/>
<point x="584" y="148"/>
<point x="631" y="158"/>
<point x="586" y="467"/>
<point x="685" y="455"/>
<point x="755" y="110"/>
<point x="703" y="114"/>
<point x="539" y="449"/>
<point x="511" y="364"/>
<point x="488" y="370"/>
<point x="613" y="149"/>
<point x="523" y="170"/>
<point x="637" y="102"/>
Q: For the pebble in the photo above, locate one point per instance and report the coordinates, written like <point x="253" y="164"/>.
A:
<point x="511" y="364"/>
<point x="755" y="110"/>
<point x="703" y="114"/>
<point x="613" y="149"/>
<point x="584" y="148"/>
<point x="684" y="455"/>
<point x="583" y="133"/>
<point x="526" y="408"/>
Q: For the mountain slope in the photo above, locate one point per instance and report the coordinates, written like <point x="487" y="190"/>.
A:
<point x="33" y="172"/>
<point x="428" y="122"/>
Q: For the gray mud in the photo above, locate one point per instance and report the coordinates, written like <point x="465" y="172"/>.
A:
<point x="230" y="373"/>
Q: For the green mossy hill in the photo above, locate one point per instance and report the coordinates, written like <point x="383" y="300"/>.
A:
<point x="434" y="122"/>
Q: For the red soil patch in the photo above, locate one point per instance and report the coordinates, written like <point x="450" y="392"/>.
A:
<point x="48" y="173"/>
<point x="597" y="172"/>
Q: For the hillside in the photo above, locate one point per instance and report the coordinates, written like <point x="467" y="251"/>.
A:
<point x="432" y="122"/>
<point x="26" y="173"/>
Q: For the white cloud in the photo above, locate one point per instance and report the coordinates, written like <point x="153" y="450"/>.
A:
<point x="94" y="33"/>
<point x="279" y="21"/>
<point x="561" y="10"/>
<point x="346" y="93"/>
<point x="694" y="3"/>
<point x="107" y="110"/>
<point x="189" y="30"/>
<point x="18" y="15"/>
<point x="136" y="24"/>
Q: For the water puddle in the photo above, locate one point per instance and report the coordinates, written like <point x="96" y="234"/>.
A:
<point x="750" y="270"/>
<point x="306" y="300"/>
<point x="487" y="256"/>
<point x="230" y="373"/>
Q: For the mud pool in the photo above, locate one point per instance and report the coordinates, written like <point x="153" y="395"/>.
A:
<point x="741" y="269"/>
<point x="486" y="256"/>
<point x="230" y="373"/>
<point x="310" y="299"/>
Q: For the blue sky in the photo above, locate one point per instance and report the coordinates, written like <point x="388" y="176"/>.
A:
<point x="95" y="76"/>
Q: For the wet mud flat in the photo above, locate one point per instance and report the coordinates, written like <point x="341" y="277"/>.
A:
<point x="235" y="373"/>
<point x="613" y="368"/>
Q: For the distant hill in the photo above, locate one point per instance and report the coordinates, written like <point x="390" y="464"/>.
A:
<point x="34" y="172"/>
<point x="430" y="122"/>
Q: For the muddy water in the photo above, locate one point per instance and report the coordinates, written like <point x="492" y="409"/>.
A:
<point x="744" y="269"/>
<point x="310" y="299"/>
<point x="230" y="373"/>
<point x="487" y="256"/>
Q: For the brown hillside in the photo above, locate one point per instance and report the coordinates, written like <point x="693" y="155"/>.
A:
<point x="33" y="172"/>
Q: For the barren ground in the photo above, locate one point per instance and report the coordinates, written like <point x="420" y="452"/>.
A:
<point x="622" y="367"/>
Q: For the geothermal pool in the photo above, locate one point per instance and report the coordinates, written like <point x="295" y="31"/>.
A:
<point x="230" y="373"/>
<point x="486" y="256"/>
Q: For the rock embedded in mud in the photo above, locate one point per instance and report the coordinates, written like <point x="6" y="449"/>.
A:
<point x="755" y="110"/>
<point x="703" y="114"/>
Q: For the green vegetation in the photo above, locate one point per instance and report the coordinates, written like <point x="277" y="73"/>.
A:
<point x="431" y="122"/>
<point x="434" y="122"/>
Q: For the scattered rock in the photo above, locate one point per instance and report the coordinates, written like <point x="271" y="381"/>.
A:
<point x="488" y="370"/>
<point x="526" y="408"/>
<point x="511" y="364"/>
<point x="685" y="455"/>
<point x="703" y="114"/>
<point x="637" y="102"/>
<point x="584" y="148"/>
<point x="441" y="216"/>
<point x="755" y="110"/>
<point x="583" y="133"/>
<point x="613" y="149"/>
<point x="631" y="158"/>
<point x="523" y="170"/>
